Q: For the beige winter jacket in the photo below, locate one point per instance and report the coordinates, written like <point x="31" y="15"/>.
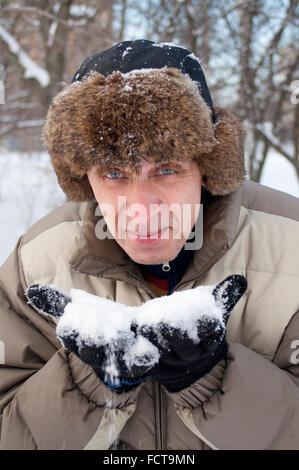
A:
<point x="49" y="399"/>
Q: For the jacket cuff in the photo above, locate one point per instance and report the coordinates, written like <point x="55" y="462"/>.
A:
<point x="202" y="390"/>
<point x="124" y="385"/>
<point x="89" y="385"/>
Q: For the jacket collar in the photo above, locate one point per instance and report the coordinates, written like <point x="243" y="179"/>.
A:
<point x="106" y="259"/>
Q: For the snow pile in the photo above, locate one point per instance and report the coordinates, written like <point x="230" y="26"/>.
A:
<point x="99" y="322"/>
<point x="194" y="57"/>
<point x="163" y="44"/>
<point x="127" y="50"/>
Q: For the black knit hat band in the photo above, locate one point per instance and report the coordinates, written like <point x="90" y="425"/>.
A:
<point x="143" y="54"/>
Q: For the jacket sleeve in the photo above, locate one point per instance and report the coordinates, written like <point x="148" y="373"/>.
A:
<point x="247" y="402"/>
<point x="49" y="399"/>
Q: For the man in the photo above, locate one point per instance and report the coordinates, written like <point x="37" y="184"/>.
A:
<point x="138" y="122"/>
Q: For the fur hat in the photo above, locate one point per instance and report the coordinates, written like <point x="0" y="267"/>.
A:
<point x="153" y="113"/>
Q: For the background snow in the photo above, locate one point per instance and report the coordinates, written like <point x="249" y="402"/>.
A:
<point x="29" y="190"/>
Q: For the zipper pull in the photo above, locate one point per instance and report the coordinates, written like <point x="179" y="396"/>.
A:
<point x="166" y="266"/>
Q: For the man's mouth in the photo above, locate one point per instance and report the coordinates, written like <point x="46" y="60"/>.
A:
<point x="147" y="235"/>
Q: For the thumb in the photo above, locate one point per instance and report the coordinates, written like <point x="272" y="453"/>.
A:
<point x="47" y="300"/>
<point x="229" y="291"/>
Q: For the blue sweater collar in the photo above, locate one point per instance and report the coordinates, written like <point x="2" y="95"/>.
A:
<point x="178" y="266"/>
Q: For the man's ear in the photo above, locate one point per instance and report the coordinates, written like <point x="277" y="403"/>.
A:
<point x="47" y="299"/>
<point x="229" y="291"/>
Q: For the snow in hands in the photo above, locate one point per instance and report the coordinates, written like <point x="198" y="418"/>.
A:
<point x="115" y="334"/>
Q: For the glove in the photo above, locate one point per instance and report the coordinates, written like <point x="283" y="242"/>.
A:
<point x="108" y="343"/>
<point x="175" y="339"/>
<point x="183" y="359"/>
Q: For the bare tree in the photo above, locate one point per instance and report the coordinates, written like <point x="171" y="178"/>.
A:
<point x="248" y="52"/>
<point x="185" y="22"/>
<point x="262" y="39"/>
<point x="42" y="43"/>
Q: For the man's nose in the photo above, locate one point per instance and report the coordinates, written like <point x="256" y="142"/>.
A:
<point x="143" y="192"/>
<point x="145" y="199"/>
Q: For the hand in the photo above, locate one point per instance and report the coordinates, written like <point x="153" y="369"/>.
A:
<point x="175" y="339"/>
<point x="183" y="359"/>
<point x="99" y="332"/>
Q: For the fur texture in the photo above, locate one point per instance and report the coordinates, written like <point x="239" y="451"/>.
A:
<point x="157" y="114"/>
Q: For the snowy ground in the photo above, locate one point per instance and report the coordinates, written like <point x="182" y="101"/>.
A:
<point x="29" y="190"/>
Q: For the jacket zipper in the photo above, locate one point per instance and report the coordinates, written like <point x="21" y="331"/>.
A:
<point x="150" y="291"/>
<point x="160" y="437"/>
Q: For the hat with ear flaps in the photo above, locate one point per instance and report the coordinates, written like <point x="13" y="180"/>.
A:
<point x="137" y="100"/>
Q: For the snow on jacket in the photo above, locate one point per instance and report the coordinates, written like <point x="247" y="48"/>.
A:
<point x="50" y="399"/>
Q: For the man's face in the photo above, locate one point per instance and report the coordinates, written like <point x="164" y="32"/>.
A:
<point x="150" y="213"/>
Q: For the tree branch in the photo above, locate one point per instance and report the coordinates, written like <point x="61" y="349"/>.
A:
<point x="276" y="38"/>
<point x="50" y="16"/>
<point x="275" y="145"/>
<point x="21" y="125"/>
<point x="29" y="67"/>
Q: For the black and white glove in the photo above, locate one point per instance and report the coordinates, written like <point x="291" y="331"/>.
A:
<point x="175" y="339"/>
<point x="95" y="329"/>
<point x="185" y="358"/>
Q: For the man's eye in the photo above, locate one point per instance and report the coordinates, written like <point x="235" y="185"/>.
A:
<point x="113" y="175"/>
<point x="167" y="171"/>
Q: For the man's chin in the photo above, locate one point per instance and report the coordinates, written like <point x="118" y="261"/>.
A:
<point x="152" y="256"/>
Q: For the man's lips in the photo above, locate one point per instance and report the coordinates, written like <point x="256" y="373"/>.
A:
<point x="147" y="234"/>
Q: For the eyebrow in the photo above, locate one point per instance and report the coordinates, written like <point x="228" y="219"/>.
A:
<point x="101" y="169"/>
